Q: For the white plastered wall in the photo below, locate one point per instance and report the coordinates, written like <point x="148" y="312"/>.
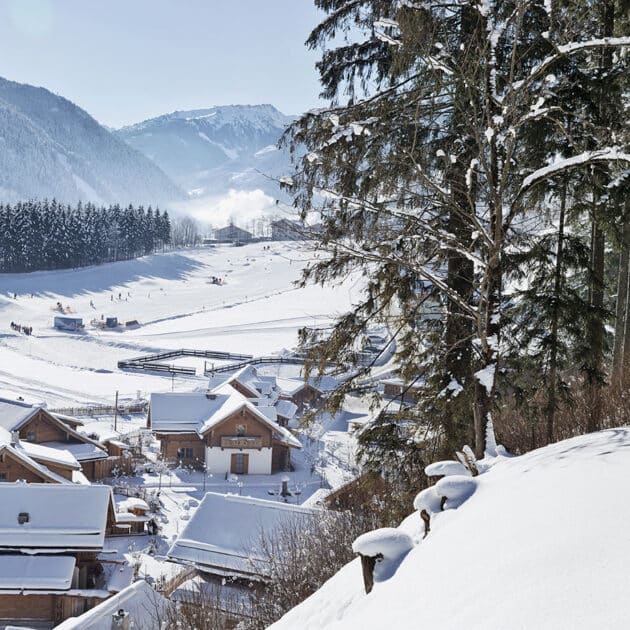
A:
<point x="218" y="460"/>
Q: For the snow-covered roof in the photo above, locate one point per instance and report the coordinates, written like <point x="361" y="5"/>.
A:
<point x="14" y="413"/>
<point x="18" y="572"/>
<point x="291" y="386"/>
<point x="199" y="412"/>
<point x="258" y="384"/>
<point x="184" y="412"/>
<point x="223" y="535"/>
<point x="131" y="503"/>
<point x="71" y="420"/>
<point x="42" y="453"/>
<point x="83" y="452"/>
<point x="143" y="603"/>
<point x="60" y="516"/>
<point x="286" y="409"/>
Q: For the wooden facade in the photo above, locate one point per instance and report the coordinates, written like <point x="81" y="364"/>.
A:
<point x="395" y="389"/>
<point x="240" y="431"/>
<point x="12" y="468"/>
<point x="306" y="395"/>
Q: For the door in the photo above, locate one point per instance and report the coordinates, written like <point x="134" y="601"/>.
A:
<point x="239" y="464"/>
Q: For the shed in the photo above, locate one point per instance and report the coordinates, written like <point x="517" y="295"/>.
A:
<point x="68" y="323"/>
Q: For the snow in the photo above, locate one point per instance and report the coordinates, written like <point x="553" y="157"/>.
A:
<point x="143" y="604"/>
<point x="486" y="377"/>
<point x="428" y="500"/>
<point x="387" y="541"/>
<point x="14" y="413"/>
<point x="541" y="544"/>
<point x="456" y="488"/>
<point x="44" y="453"/>
<point x="60" y="516"/>
<point x="83" y="452"/>
<point x="447" y="467"/>
<point x="561" y="164"/>
<point x="257" y="311"/>
<point x="223" y="536"/>
<point x="36" y="572"/>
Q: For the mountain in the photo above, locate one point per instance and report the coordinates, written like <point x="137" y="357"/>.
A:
<point x="209" y="151"/>
<point x="52" y="148"/>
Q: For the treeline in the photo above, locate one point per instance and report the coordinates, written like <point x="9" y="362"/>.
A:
<point x="40" y="235"/>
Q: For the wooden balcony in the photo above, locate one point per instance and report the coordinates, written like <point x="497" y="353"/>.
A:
<point x="241" y="441"/>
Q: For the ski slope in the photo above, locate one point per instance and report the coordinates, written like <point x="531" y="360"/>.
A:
<point x="258" y="310"/>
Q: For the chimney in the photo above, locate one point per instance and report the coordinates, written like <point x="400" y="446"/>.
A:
<point x="120" y="620"/>
<point x="15" y="438"/>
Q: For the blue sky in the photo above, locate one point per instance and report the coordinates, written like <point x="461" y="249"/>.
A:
<point x="127" y="60"/>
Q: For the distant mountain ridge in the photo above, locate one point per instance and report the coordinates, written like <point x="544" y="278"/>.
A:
<point x="50" y="147"/>
<point x="208" y="151"/>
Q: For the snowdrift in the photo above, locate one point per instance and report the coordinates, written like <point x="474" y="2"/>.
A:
<point x="543" y="543"/>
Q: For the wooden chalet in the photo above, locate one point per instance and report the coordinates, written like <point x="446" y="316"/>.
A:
<point x="397" y="388"/>
<point x="220" y="430"/>
<point x="301" y="393"/>
<point x="232" y="234"/>
<point x="51" y="540"/>
<point x="35" y="425"/>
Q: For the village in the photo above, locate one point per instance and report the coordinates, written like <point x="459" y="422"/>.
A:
<point x="134" y="504"/>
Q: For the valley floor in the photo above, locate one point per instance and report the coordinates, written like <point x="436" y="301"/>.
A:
<point x="257" y="310"/>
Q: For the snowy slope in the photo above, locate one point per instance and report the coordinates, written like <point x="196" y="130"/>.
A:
<point x="211" y="151"/>
<point x="258" y="310"/>
<point x="52" y="148"/>
<point x="542" y="544"/>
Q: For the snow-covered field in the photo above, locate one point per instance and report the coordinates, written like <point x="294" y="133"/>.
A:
<point x="541" y="544"/>
<point x="257" y="310"/>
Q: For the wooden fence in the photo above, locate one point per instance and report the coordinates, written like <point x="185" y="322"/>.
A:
<point x="101" y="410"/>
<point x="148" y="361"/>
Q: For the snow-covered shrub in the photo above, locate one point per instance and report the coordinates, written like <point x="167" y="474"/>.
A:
<point x="446" y="468"/>
<point x="455" y="490"/>
<point x="381" y="551"/>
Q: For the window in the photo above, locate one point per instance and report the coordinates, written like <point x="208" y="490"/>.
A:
<point x="3" y="476"/>
<point x="30" y="436"/>
<point x="23" y="517"/>
<point x="185" y="453"/>
<point x="241" y="430"/>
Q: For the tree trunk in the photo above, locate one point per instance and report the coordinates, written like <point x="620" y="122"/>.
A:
<point x="458" y="419"/>
<point x="620" y="349"/>
<point x="596" y="332"/>
<point x="550" y="411"/>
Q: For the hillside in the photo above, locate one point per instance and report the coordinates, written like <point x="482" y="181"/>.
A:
<point x="52" y="148"/>
<point x="209" y="151"/>
<point x="541" y="544"/>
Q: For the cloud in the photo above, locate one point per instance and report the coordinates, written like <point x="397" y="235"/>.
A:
<point x="240" y="206"/>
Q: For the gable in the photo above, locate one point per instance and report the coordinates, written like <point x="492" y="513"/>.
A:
<point x="243" y="389"/>
<point x="44" y="427"/>
<point x="14" y="468"/>
<point x="253" y="424"/>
